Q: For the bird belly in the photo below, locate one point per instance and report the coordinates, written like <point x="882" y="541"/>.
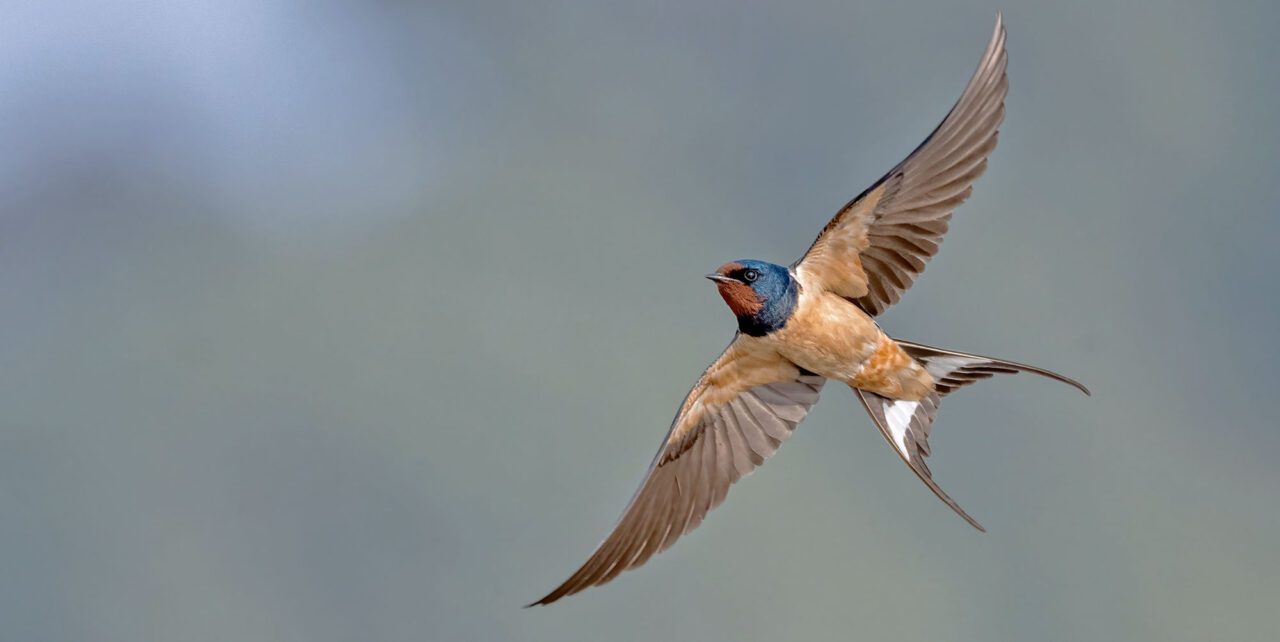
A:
<point x="830" y="336"/>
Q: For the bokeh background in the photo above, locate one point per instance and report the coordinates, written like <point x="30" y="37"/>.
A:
<point x="361" y="321"/>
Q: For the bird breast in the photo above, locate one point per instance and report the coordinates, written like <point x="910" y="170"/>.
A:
<point x="830" y="336"/>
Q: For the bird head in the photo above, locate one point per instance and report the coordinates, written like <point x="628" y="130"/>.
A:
<point x="762" y="295"/>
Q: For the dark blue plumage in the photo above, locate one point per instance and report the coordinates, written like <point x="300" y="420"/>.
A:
<point x="762" y="295"/>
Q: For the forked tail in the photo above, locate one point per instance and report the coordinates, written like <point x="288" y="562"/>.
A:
<point x="952" y="370"/>
<point x="906" y="424"/>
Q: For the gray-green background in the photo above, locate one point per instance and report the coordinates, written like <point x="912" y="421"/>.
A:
<point x="361" y="322"/>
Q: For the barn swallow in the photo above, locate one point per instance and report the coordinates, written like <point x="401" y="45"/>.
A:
<point x="814" y="321"/>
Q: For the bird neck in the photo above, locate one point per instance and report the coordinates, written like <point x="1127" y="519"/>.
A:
<point x="778" y="304"/>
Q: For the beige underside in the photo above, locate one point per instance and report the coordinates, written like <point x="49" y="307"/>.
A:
<point x="829" y="335"/>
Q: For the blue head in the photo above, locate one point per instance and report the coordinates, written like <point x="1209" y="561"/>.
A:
<point x="762" y="295"/>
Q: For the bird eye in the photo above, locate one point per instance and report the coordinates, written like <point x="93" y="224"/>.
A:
<point x="750" y="275"/>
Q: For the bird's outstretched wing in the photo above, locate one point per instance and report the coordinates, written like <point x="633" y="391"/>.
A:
<point x="876" y="245"/>
<point x="742" y="408"/>
<point x="906" y="425"/>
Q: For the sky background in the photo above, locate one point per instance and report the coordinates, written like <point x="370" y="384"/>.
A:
<point x="362" y="321"/>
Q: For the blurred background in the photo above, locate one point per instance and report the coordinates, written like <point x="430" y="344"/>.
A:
<point x="361" y="321"/>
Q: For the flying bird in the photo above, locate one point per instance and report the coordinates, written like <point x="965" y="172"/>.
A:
<point x="814" y="321"/>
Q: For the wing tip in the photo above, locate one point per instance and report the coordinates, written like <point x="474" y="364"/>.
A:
<point x="561" y="591"/>
<point x="972" y="522"/>
<point x="542" y="601"/>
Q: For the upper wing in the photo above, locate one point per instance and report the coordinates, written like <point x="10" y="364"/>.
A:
<point x="877" y="244"/>
<point x="906" y="425"/>
<point x="737" y="414"/>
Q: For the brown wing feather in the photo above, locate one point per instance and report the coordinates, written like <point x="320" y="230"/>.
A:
<point x="735" y="417"/>
<point x="877" y="244"/>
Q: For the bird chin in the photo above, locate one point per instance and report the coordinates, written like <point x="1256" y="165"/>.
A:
<point x="741" y="299"/>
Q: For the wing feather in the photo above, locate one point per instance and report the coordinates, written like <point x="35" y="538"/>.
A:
<point x="876" y="245"/>
<point x="743" y="407"/>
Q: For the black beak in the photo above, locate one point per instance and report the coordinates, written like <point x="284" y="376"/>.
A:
<point x="720" y="278"/>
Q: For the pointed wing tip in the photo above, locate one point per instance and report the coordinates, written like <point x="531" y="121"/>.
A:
<point x="998" y="35"/>
<point x="565" y="589"/>
<point x="545" y="600"/>
<point x="974" y="523"/>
